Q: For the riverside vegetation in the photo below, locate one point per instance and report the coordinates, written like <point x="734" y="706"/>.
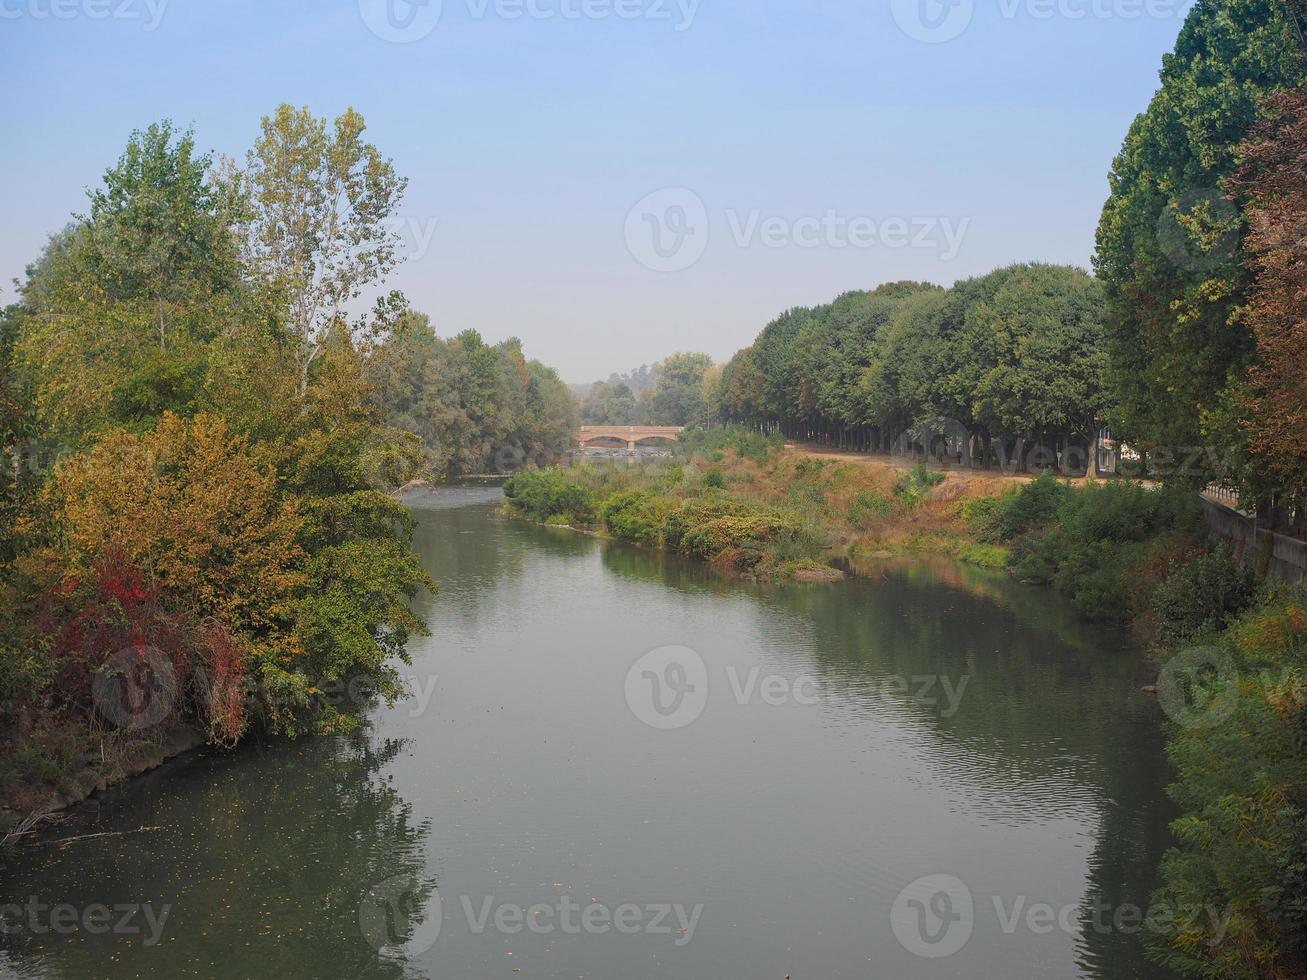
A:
<point x="197" y="532"/>
<point x="1234" y="650"/>
<point x="204" y="436"/>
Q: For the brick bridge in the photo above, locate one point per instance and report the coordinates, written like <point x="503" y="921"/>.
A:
<point x="632" y="435"/>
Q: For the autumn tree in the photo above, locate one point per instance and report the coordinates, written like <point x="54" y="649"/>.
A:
<point x="186" y="502"/>
<point x="1272" y="185"/>
<point x="1169" y="252"/>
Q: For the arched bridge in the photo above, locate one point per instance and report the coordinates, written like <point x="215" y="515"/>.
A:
<point x="632" y="435"/>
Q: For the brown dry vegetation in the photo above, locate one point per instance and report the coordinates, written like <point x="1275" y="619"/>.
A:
<point x="826" y="486"/>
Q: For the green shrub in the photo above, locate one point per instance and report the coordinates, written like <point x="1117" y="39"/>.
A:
<point x="1241" y="787"/>
<point x="1200" y="595"/>
<point x="808" y="465"/>
<point x="915" y="485"/>
<point x="546" y="495"/>
<point x="695" y="512"/>
<point x="984" y="555"/>
<point x="1095" y="542"/>
<point x="715" y="479"/>
<point x="1018" y="512"/>
<point x="721" y="529"/>
<point x="869" y="503"/>
<point x="806" y="496"/>
<point x="633" y="515"/>
<point x="981" y="515"/>
<point x="672" y="475"/>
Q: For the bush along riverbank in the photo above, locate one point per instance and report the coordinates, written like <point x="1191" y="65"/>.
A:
<point x="746" y="506"/>
<point x="1231" y="652"/>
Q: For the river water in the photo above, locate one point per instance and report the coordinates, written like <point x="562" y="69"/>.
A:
<point x="616" y="764"/>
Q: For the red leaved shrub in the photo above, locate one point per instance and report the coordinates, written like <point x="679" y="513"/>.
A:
<point x="124" y="658"/>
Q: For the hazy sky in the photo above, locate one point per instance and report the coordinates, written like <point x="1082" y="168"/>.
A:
<point x="613" y="180"/>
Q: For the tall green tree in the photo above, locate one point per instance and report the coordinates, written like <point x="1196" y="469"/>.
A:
<point x="1169" y="243"/>
<point x="160" y="230"/>
<point x="122" y="301"/>
<point x="678" y="398"/>
<point x="318" y="230"/>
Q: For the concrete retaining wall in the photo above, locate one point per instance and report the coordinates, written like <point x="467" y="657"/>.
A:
<point x="1265" y="552"/>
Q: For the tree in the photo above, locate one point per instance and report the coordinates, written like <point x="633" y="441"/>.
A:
<point x="1169" y="242"/>
<point x="475" y="407"/>
<point x="1035" y="355"/>
<point x="1271" y="182"/>
<point x="610" y="403"/>
<point x="121" y="303"/>
<point x="160" y="228"/>
<point x="317" y="230"/>
<point x="185" y="507"/>
<point x="678" y="398"/>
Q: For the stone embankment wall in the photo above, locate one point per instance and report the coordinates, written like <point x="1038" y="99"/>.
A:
<point x="1264" y="551"/>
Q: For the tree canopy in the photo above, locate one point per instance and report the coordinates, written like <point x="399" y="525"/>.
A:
<point x="1016" y="355"/>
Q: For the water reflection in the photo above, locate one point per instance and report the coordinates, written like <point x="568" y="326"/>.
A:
<point x="1052" y="719"/>
<point x="261" y="858"/>
<point x="526" y="778"/>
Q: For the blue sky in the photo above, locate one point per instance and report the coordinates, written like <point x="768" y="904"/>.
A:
<point x="828" y="145"/>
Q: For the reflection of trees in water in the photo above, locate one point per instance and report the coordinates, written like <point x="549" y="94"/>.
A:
<point x="1050" y="701"/>
<point x="467" y="575"/>
<point x="264" y="856"/>
<point x="1041" y="684"/>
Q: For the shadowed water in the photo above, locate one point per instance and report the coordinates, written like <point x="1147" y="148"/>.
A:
<point x="855" y="738"/>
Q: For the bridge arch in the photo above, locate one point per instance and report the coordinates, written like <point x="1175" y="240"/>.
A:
<point x="631" y="436"/>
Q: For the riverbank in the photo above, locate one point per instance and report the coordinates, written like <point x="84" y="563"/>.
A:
<point x="756" y="508"/>
<point x="1230" y="648"/>
<point x="117" y="761"/>
<point x="767" y="510"/>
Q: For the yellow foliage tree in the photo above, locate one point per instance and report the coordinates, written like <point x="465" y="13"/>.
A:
<point x="186" y="503"/>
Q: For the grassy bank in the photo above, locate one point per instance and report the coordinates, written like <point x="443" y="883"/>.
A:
<point x="748" y="506"/>
<point x="1231" y="651"/>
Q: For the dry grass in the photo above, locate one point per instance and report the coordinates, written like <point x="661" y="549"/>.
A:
<point x="827" y="488"/>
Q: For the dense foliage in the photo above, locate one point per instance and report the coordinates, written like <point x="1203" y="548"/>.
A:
<point x="1242" y="787"/>
<point x="1007" y="368"/>
<point x="476" y="408"/>
<point x="673" y="508"/>
<point x="1093" y="544"/>
<point x="672" y="392"/>
<point x="1199" y="253"/>
<point x="197" y="524"/>
<point x="1169" y="241"/>
<point x="1276" y="403"/>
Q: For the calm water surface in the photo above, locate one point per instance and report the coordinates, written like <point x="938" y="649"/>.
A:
<point x="856" y="738"/>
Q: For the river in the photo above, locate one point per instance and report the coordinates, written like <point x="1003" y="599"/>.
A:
<point x="617" y="764"/>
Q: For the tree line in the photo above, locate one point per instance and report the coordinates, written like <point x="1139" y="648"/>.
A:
<point x="1004" y="368"/>
<point x="477" y="408"/>
<point x="1186" y="341"/>
<point x="673" y="392"/>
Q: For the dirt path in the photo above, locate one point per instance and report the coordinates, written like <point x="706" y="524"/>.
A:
<point x="959" y="474"/>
